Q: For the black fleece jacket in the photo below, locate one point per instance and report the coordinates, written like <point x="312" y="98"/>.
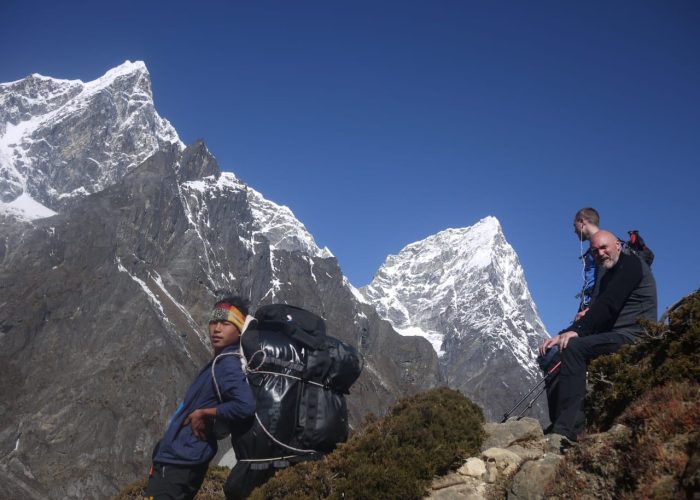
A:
<point x="627" y="292"/>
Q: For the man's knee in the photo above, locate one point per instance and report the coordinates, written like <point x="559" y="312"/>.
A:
<point x="574" y="349"/>
<point x="573" y="359"/>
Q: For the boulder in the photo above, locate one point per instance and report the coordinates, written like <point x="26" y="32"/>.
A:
<point x="458" y="487"/>
<point x="506" y="461"/>
<point x="474" y="467"/>
<point x="513" y="431"/>
<point x="533" y="476"/>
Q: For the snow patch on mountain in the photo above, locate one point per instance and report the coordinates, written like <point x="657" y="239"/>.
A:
<point x="24" y="207"/>
<point x="157" y="305"/>
<point x="435" y="338"/>
<point x="190" y="321"/>
<point x="355" y="292"/>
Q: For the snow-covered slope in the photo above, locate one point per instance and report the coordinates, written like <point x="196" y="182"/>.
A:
<point x="465" y="291"/>
<point x="62" y="139"/>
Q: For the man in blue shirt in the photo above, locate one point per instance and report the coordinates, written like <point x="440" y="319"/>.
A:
<point x="586" y="224"/>
<point x="219" y="396"/>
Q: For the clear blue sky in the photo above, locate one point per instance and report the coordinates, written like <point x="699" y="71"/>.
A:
<point x="380" y="123"/>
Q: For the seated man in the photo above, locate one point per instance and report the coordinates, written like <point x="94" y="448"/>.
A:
<point x="627" y="292"/>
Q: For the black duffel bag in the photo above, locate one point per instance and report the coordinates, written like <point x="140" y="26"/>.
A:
<point x="299" y="377"/>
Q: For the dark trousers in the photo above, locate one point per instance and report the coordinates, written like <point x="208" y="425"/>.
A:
<point x="568" y="395"/>
<point x="175" y="482"/>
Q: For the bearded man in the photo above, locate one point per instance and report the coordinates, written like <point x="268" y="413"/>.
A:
<point x="627" y="293"/>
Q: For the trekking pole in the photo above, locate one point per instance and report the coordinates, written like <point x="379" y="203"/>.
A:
<point x="554" y="368"/>
<point x="532" y="401"/>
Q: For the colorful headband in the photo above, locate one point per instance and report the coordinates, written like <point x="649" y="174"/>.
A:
<point x="226" y="312"/>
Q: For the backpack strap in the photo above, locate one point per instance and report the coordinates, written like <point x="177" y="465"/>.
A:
<point x="213" y="373"/>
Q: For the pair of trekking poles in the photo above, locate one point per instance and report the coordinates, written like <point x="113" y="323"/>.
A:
<point x="551" y="373"/>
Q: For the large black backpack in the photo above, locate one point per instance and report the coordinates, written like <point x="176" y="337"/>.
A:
<point x="299" y="376"/>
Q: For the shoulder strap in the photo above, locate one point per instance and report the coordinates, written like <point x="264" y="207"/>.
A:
<point x="213" y="373"/>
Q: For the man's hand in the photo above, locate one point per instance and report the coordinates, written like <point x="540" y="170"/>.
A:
<point x="562" y="340"/>
<point x="581" y="314"/>
<point x="199" y="420"/>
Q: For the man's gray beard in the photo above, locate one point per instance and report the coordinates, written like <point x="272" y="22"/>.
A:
<point x="610" y="263"/>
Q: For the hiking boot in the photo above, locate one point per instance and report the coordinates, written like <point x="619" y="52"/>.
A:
<point x="557" y="443"/>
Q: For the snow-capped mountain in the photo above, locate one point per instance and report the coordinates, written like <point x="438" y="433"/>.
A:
<point x="63" y="139"/>
<point x="114" y="240"/>
<point x="465" y="291"/>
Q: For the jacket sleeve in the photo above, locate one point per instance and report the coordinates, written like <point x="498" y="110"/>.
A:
<point x="238" y="401"/>
<point x="615" y="291"/>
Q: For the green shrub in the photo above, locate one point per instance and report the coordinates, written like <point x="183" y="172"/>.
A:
<point x="394" y="457"/>
<point x="132" y="492"/>
<point x="667" y="354"/>
<point x="658" y="457"/>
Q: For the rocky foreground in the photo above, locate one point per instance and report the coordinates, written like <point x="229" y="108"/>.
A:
<point x="643" y="430"/>
<point x="517" y="461"/>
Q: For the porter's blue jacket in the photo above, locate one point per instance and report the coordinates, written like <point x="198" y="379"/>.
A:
<point x="179" y="445"/>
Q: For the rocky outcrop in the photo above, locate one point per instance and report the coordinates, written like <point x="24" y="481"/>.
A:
<point x="517" y="462"/>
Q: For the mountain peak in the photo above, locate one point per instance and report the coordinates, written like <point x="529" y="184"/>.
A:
<point x="489" y="222"/>
<point x="485" y="230"/>
<point x="464" y="291"/>
<point x="470" y="246"/>
<point x="127" y="69"/>
<point x="63" y="139"/>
